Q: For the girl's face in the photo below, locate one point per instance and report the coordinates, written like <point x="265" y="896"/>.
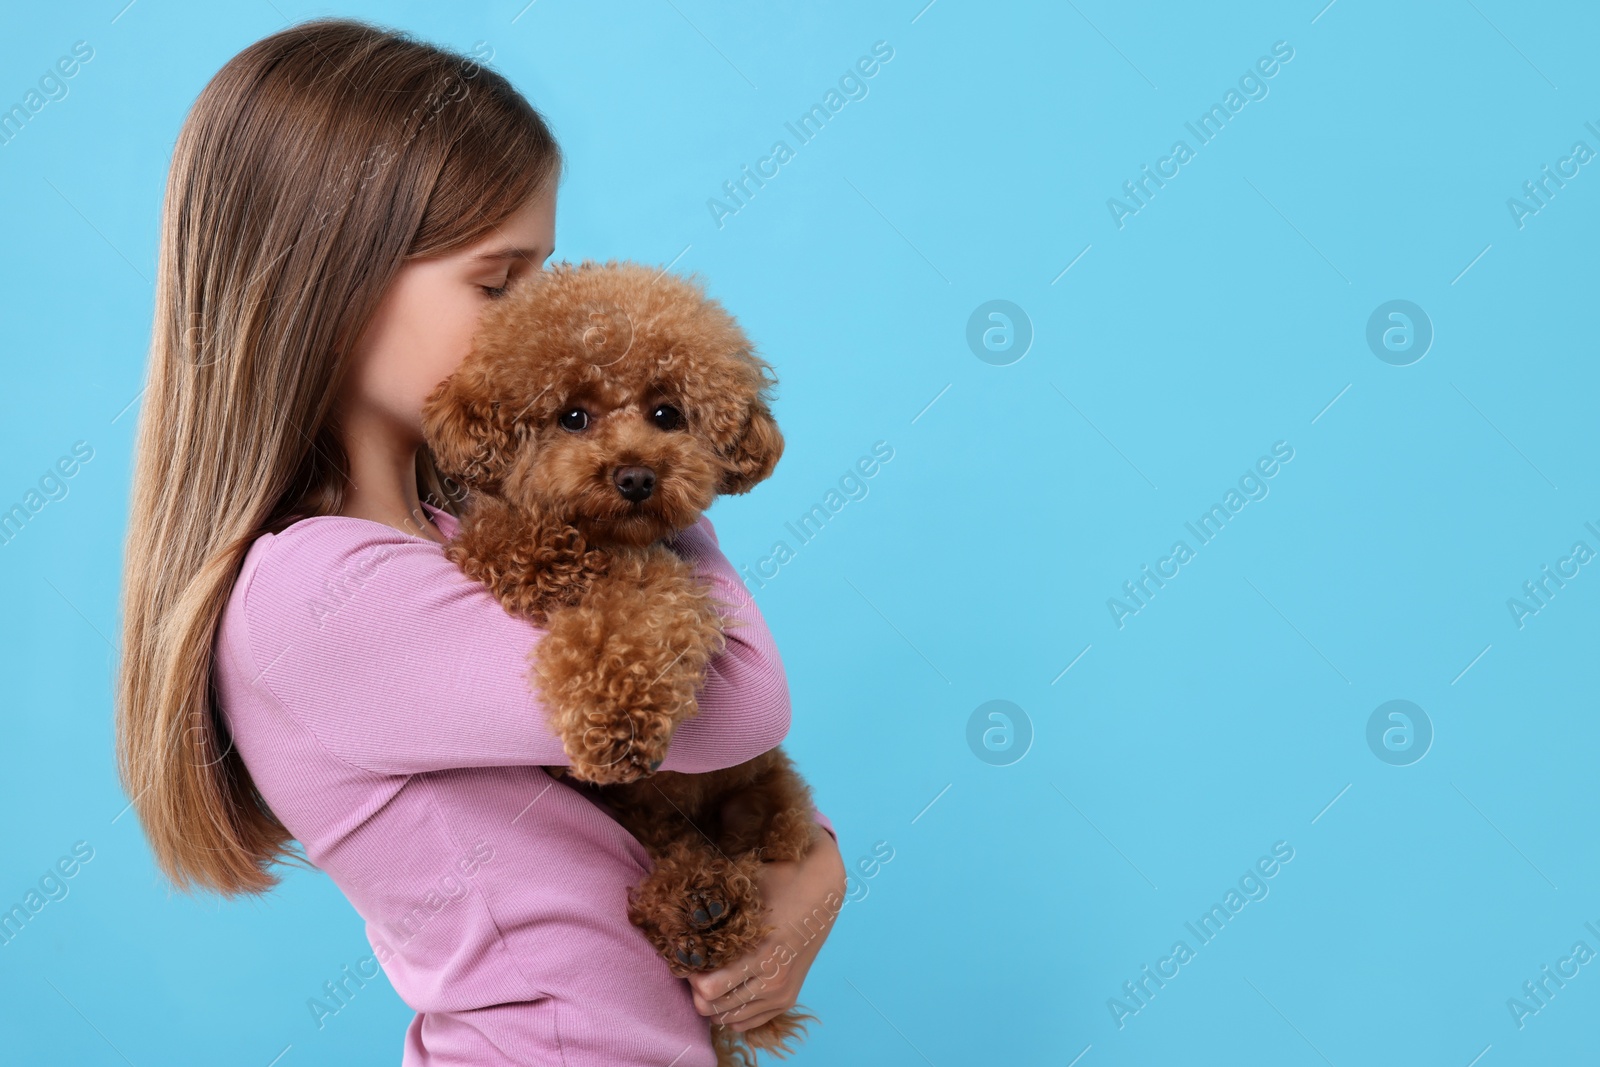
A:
<point x="423" y="327"/>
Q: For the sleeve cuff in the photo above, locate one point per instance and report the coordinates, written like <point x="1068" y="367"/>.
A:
<point x="824" y="822"/>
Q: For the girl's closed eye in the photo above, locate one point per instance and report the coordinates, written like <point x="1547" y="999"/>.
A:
<point x="495" y="292"/>
<point x="518" y="262"/>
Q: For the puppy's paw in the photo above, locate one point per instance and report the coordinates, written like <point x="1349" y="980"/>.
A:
<point x="700" y="910"/>
<point x="617" y="753"/>
<point x="701" y="913"/>
<point x="618" y="771"/>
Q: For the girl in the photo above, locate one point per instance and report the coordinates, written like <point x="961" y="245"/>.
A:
<point x="303" y="663"/>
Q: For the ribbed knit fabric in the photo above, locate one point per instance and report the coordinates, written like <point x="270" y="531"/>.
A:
<point x="380" y="700"/>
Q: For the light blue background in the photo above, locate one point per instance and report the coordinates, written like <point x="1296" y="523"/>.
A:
<point x="1223" y="317"/>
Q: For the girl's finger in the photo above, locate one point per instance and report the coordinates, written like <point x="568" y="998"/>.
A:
<point x="754" y="992"/>
<point x="756" y="1020"/>
<point x="719" y="983"/>
<point x="734" y="1011"/>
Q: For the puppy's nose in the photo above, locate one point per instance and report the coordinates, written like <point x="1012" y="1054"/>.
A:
<point x="635" y="483"/>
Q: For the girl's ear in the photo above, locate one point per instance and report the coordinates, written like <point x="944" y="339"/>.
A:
<point x="472" y="441"/>
<point x="753" y="454"/>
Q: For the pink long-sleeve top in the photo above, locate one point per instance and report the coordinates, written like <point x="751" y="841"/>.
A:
<point x="380" y="700"/>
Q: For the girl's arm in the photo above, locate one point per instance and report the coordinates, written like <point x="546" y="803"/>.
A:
<point x="400" y="664"/>
<point x="749" y="672"/>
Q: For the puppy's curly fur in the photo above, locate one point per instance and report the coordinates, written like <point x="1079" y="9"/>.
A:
<point x="600" y="412"/>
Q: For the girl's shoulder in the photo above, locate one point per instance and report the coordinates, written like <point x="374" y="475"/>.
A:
<point x="294" y="580"/>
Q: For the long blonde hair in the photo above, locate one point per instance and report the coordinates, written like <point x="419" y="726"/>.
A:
<point x="311" y="166"/>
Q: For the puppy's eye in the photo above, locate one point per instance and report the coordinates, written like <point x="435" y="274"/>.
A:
<point x="667" y="417"/>
<point x="575" y="419"/>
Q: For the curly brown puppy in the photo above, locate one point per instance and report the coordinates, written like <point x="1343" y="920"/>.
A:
<point x="601" y="410"/>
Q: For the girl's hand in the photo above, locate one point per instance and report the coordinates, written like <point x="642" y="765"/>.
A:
<point x="802" y="900"/>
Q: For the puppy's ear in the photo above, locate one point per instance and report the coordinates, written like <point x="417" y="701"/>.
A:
<point x="472" y="440"/>
<point x="753" y="453"/>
